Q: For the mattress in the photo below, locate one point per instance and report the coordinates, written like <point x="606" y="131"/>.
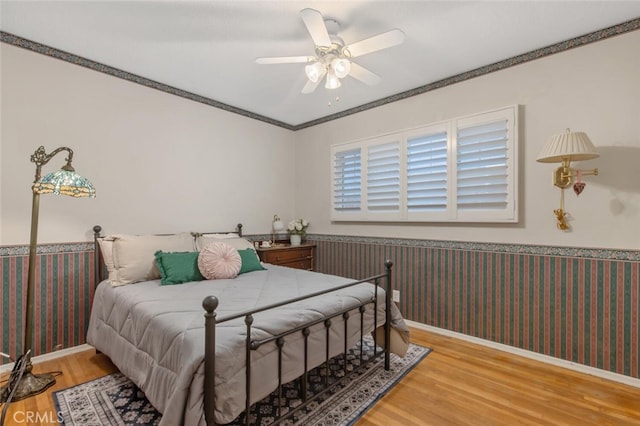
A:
<point x="155" y="335"/>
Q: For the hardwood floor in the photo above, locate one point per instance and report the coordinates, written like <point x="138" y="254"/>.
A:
<point x="462" y="383"/>
<point x="459" y="383"/>
<point x="78" y="368"/>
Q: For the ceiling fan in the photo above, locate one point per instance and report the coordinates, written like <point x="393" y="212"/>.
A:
<point x="333" y="58"/>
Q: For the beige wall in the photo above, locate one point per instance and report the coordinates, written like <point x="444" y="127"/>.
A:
<point x="595" y="89"/>
<point x="160" y="163"/>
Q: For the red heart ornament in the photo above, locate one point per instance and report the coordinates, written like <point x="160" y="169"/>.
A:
<point x="578" y="187"/>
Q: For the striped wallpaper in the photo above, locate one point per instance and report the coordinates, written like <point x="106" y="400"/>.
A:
<point x="580" y="305"/>
<point x="570" y="306"/>
<point x="62" y="300"/>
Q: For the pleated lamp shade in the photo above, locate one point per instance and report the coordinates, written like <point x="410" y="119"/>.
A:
<point x="575" y="146"/>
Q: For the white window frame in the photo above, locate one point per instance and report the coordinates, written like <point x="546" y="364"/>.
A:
<point x="509" y="214"/>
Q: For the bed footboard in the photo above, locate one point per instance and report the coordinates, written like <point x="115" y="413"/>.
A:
<point x="210" y="305"/>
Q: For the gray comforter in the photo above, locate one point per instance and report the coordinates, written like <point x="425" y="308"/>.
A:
<point x="155" y="335"/>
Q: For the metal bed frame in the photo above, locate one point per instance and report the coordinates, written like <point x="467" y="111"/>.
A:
<point x="210" y="304"/>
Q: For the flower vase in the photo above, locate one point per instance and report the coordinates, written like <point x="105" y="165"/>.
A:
<point x="295" y="239"/>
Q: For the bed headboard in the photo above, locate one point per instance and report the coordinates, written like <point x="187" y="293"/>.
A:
<point x="99" y="266"/>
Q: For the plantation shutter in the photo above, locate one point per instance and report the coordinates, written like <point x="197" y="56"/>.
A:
<point x="347" y="178"/>
<point x="482" y="167"/>
<point x="383" y="177"/>
<point x="427" y="173"/>
<point x="457" y="170"/>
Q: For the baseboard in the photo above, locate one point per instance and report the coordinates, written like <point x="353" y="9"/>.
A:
<point x="49" y="356"/>
<point x="608" y="375"/>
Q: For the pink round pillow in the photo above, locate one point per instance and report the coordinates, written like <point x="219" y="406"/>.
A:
<point x="219" y="261"/>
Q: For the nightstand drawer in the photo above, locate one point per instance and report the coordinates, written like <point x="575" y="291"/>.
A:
<point x="299" y="264"/>
<point x="282" y="256"/>
<point x="300" y="257"/>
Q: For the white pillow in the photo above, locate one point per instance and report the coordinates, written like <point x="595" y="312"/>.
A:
<point x="133" y="255"/>
<point x="219" y="261"/>
<point x="221" y="236"/>
<point x="106" y="249"/>
<point x="236" y="242"/>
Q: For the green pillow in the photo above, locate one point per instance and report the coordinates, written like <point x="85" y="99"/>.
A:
<point x="250" y="261"/>
<point x="178" y="267"/>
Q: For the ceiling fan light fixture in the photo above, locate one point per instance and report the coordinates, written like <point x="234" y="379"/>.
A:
<point x="341" y="67"/>
<point x="333" y="82"/>
<point x="333" y="58"/>
<point x="315" y="71"/>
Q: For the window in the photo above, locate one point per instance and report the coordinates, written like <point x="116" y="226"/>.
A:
<point x="346" y="180"/>
<point x="460" y="170"/>
<point x="485" y="167"/>
<point x="383" y="178"/>
<point x="427" y="173"/>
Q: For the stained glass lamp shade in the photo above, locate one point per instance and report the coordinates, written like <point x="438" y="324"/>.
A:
<point x="65" y="182"/>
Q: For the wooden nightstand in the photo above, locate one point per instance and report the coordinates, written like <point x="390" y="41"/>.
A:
<point x="299" y="257"/>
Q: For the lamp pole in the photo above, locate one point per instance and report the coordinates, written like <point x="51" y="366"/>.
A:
<point x="31" y="276"/>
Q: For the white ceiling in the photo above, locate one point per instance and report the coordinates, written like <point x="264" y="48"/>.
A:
<point x="209" y="47"/>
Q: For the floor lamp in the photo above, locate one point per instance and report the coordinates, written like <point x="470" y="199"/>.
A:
<point x="66" y="182"/>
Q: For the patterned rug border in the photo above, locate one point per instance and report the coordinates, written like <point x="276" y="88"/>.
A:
<point x="419" y="358"/>
<point x="106" y="412"/>
<point x="423" y="352"/>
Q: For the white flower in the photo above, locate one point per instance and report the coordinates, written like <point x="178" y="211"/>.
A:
<point x="298" y="227"/>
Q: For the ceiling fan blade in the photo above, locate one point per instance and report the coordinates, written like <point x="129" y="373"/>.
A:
<point x="316" y="27"/>
<point x="285" y="60"/>
<point x="375" y="43"/>
<point x="364" y="75"/>
<point x="310" y="87"/>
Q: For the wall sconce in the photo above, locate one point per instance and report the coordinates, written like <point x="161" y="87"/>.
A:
<point x="565" y="148"/>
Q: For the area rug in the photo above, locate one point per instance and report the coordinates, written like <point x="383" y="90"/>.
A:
<point x="115" y="400"/>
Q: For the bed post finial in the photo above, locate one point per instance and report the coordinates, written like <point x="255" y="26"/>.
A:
<point x="96" y="230"/>
<point x="239" y="229"/>
<point x="210" y="304"/>
<point x="388" y="264"/>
